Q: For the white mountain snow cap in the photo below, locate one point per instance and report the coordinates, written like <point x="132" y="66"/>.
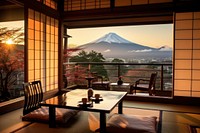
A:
<point x="111" y="38"/>
<point x="165" y="48"/>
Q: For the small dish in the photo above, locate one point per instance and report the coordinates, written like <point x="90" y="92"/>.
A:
<point x="88" y="104"/>
<point x="96" y="100"/>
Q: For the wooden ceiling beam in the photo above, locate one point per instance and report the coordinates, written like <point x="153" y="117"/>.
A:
<point x="118" y="12"/>
<point x="121" y="21"/>
<point x="156" y="13"/>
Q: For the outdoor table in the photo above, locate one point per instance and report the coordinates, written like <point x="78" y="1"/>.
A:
<point x="123" y="87"/>
<point x="89" y="79"/>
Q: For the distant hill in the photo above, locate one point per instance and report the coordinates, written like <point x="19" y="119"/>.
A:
<point x="17" y="46"/>
<point x="112" y="45"/>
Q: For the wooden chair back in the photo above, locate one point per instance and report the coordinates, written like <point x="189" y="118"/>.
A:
<point x="33" y="96"/>
<point x="152" y="82"/>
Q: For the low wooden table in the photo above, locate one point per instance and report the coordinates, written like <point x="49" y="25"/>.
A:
<point x="71" y="99"/>
<point x="124" y="87"/>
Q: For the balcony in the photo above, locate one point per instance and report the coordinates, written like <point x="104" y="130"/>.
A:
<point x="130" y="72"/>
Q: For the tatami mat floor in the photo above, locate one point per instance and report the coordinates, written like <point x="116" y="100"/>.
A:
<point x="173" y="119"/>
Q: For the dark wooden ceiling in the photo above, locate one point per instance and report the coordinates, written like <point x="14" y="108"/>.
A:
<point x="8" y="4"/>
<point x="11" y="10"/>
<point x="132" y="15"/>
<point x="153" y="14"/>
<point x="160" y="13"/>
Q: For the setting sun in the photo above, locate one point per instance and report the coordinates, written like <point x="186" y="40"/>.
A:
<point x="9" y="41"/>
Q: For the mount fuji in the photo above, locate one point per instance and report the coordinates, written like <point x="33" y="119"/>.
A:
<point x="111" y="38"/>
<point x="112" y="45"/>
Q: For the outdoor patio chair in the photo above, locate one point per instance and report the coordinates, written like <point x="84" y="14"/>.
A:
<point x="34" y="112"/>
<point x="145" y="85"/>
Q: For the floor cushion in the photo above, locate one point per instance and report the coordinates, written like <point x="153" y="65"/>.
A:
<point x="42" y="115"/>
<point x="121" y="123"/>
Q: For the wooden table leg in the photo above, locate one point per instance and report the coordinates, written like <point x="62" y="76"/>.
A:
<point x="52" y="117"/>
<point x="120" y="107"/>
<point x="102" y="122"/>
<point x="159" y="129"/>
<point x="89" y="83"/>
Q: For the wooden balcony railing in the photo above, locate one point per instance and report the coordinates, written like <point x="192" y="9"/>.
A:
<point x="130" y="72"/>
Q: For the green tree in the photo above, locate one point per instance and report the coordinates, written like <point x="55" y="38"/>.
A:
<point x="91" y="56"/>
<point x="116" y="60"/>
<point x="81" y="57"/>
<point x="122" y="67"/>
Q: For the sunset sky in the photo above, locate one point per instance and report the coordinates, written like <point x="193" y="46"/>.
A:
<point x="12" y="24"/>
<point x="148" y="35"/>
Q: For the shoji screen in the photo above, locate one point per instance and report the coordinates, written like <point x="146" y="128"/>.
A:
<point x="187" y="54"/>
<point x="73" y="5"/>
<point x="49" y="3"/>
<point x="42" y="49"/>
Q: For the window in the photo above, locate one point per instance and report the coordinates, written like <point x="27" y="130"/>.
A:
<point x="143" y="49"/>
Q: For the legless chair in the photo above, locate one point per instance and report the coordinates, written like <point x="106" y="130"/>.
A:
<point x="123" y="123"/>
<point x="34" y="112"/>
<point x="145" y="85"/>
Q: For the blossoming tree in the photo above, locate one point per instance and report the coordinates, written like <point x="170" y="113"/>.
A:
<point x="11" y="60"/>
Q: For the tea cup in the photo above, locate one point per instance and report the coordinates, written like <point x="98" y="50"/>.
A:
<point x="84" y="100"/>
<point x="97" y="96"/>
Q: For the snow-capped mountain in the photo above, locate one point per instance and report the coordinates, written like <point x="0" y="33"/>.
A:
<point x="111" y="38"/>
<point x="165" y="48"/>
<point x="112" y="42"/>
<point x="112" y="45"/>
